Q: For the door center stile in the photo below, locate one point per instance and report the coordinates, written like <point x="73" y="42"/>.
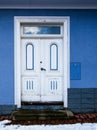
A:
<point x="41" y="66"/>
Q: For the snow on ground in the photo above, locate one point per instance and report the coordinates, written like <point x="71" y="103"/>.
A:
<point x="85" y="126"/>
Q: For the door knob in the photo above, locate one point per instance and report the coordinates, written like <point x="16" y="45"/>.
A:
<point x="43" y="69"/>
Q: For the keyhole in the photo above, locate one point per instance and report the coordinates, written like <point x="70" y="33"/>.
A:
<point x="40" y="61"/>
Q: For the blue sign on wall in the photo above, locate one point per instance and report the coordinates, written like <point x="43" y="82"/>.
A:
<point x="75" y="71"/>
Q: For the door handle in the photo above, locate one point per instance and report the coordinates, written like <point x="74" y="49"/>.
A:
<point x="43" y="69"/>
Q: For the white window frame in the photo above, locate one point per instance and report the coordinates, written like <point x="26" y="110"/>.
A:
<point x="18" y="20"/>
<point x="42" y="35"/>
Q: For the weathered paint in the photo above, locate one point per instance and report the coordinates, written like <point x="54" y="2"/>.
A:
<point x="83" y="47"/>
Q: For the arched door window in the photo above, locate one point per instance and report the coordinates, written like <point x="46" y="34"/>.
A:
<point x="29" y="56"/>
<point x="53" y="57"/>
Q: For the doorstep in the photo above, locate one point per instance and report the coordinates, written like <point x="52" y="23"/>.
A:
<point x="41" y="114"/>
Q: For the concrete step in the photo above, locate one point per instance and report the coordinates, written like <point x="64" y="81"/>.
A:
<point x="41" y="114"/>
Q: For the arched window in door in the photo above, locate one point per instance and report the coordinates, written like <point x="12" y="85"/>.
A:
<point x="29" y="56"/>
<point x="54" y="56"/>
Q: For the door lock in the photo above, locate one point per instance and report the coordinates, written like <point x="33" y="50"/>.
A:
<point x="43" y="69"/>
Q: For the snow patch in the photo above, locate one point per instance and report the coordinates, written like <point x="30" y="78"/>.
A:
<point x="78" y="126"/>
<point x="4" y="122"/>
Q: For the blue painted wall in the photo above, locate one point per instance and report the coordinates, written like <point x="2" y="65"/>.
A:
<point x="83" y="48"/>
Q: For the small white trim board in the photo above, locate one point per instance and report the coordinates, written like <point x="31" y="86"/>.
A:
<point x="18" y="22"/>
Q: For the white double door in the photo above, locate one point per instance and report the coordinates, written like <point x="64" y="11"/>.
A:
<point x="42" y="70"/>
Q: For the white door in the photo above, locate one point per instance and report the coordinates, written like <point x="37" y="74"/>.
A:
<point x="41" y="59"/>
<point x="42" y="70"/>
<point x="30" y="67"/>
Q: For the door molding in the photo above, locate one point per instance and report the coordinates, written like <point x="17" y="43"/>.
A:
<point x="17" y="52"/>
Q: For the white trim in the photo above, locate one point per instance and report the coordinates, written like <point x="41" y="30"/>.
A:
<point x="17" y="73"/>
<point x="17" y="70"/>
<point x="66" y="60"/>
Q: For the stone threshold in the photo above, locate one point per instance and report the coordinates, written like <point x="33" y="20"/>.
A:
<point x="41" y="114"/>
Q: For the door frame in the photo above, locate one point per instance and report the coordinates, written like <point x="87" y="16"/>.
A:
<point x="17" y="52"/>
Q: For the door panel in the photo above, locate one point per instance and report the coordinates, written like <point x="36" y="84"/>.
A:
<point x="30" y="57"/>
<point x="53" y="57"/>
<point x="53" y="90"/>
<point x="30" y="89"/>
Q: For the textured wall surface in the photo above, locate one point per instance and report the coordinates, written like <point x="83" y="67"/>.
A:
<point x="83" y="48"/>
<point x="82" y="100"/>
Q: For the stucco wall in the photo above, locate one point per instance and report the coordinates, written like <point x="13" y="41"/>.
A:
<point x="83" y="47"/>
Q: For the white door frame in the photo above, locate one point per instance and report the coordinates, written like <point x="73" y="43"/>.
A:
<point x="17" y="52"/>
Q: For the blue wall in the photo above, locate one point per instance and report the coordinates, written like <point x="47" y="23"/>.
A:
<point x="83" y="47"/>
